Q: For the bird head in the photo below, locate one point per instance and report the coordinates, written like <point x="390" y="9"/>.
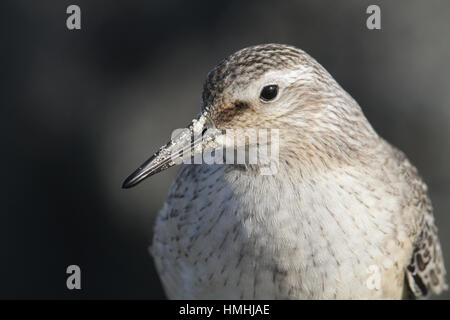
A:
<point x="263" y="88"/>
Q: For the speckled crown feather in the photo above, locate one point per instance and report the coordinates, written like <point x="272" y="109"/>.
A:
<point x="249" y="64"/>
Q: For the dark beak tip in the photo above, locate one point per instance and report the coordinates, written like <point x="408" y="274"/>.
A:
<point x="137" y="177"/>
<point x="132" y="180"/>
<point x="127" y="184"/>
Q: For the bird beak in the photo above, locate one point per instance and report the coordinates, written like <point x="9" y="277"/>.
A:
<point x="200" y="136"/>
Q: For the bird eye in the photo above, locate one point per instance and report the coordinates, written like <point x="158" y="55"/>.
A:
<point x="269" y="92"/>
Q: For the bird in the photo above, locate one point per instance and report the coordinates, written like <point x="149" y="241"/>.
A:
<point x="339" y="213"/>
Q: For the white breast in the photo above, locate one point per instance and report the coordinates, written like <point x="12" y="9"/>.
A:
<point x="226" y="233"/>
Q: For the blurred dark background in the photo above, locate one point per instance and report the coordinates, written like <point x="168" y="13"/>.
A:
<point x="81" y="109"/>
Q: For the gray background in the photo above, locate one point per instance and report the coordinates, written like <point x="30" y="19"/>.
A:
<point x="81" y="109"/>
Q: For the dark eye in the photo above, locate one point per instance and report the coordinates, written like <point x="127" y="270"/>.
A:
<point x="269" y="92"/>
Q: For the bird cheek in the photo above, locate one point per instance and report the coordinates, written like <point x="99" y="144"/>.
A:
<point x="225" y="114"/>
<point x="228" y="116"/>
